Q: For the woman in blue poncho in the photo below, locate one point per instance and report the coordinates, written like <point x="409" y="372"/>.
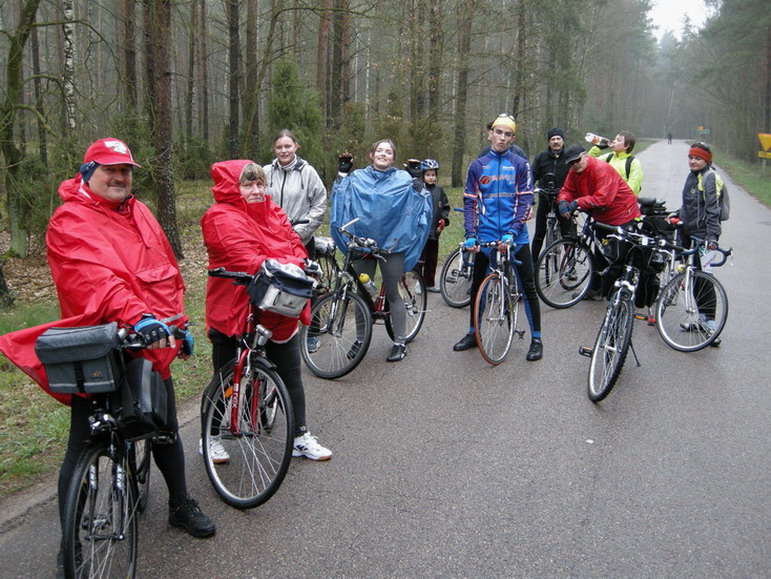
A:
<point x="394" y="209"/>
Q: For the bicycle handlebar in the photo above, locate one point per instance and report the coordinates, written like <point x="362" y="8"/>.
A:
<point x="618" y="232"/>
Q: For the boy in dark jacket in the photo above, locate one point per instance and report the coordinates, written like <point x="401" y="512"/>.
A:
<point x="441" y="219"/>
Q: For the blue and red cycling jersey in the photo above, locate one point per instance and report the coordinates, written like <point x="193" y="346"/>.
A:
<point x="497" y="197"/>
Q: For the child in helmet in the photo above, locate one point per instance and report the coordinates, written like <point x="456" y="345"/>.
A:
<point x="441" y="219"/>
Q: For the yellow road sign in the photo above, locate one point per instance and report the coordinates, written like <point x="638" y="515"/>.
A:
<point x="765" y="141"/>
<point x="764" y="154"/>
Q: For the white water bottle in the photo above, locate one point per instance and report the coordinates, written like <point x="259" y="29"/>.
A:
<point x="597" y="140"/>
<point x="368" y="284"/>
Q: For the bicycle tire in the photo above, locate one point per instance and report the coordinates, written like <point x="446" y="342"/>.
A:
<point x="260" y="449"/>
<point x="678" y="320"/>
<point x="141" y="461"/>
<point x="495" y="319"/>
<point x="611" y="347"/>
<point x="455" y="280"/>
<point x="343" y="342"/>
<point x="412" y="289"/>
<point x="564" y="273"/>
<point x="100" y="531"/>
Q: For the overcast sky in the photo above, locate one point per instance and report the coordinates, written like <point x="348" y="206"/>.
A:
<point x="668" y="15"/>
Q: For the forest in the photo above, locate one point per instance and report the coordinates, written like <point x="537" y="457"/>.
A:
<point x="189" y="82"/>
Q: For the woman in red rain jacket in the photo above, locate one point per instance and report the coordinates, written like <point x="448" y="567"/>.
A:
<point x="241" y="230"/>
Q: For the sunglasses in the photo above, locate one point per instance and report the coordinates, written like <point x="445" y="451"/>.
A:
<point x="506" y="116"/>
<point x="571" y="163"/>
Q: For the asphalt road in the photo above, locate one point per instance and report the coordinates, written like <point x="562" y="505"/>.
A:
<point x="447" y="467"/>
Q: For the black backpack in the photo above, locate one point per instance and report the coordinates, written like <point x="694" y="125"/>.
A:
<point x="629" y="160"/>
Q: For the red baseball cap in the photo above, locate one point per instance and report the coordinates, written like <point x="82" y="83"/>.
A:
<point x="110" y="151"/>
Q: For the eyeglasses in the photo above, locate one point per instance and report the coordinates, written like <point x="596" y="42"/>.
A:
<point x="573" y="162"/>
<point x="506" y="116"/>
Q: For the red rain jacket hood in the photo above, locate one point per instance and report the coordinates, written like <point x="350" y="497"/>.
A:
<point x="239" y="236"/>
<point x="110" y="262"/>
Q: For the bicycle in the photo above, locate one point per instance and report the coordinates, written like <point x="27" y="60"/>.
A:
<point x="343" y="318"/>
<point x="110" y="482"/>
<point x="615" y="336"/>
<point x="692" y="307"/>
<point x="565" y="268"/>
<point x="246" y="408"/>
<point x="497" y="306"/>
<point x="456" y="276"/>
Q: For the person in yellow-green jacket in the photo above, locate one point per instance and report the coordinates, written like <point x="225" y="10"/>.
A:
<point x="621" y="158"/>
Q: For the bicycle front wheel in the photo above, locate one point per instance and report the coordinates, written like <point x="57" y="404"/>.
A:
<point x="341" y="324"/>
<point x="564" y="273"/>
<point x="455" y="280"/>
<point x="611" y="347"/>
<point x="691" y="311"/>
<point x="495" y="319"/>
<point x="412" y="290"/>
<point x="247" y="449"/>
<point x="99" y="535"/>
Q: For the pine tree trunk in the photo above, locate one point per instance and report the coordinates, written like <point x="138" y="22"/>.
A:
<point x="466" y="10"/>
<point x="163" y="175"/>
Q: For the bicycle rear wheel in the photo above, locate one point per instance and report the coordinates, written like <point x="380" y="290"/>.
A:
<point x="611" y="347"/>
<point x="99" y="535"/>
<point x="691" y="311"/>
<point x="495" y="319"/>
<point x="564" y="273"/>
<point x="455" y="280"/>
<point x="412" y="289"/>
<point x="343" y="325"/>
<point x="256" y="439"/>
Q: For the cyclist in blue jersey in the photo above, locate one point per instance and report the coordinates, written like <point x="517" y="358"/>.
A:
<point x="497" y="201"/>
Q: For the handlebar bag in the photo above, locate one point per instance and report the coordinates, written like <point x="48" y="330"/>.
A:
<point x="282" y="288"/>
<point x="81" y="360"/>
<point x="141" y="403"/>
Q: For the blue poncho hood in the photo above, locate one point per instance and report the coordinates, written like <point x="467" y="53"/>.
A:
<point x="389" y="209"/>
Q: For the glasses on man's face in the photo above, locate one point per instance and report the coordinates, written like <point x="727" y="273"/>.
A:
<point x="573" y="162"/>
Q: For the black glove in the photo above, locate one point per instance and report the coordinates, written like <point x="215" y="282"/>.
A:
<point x="345" y="163"/>
<point x="151" y="329"/>
<point x="188" y="343"/>
<point x="413" y="168"/>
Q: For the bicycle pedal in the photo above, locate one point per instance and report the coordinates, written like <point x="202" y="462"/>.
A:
<point x="521" y="334"/>
<point x="585" y="351"/>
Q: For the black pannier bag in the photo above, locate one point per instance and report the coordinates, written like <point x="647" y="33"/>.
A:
<point x="655" y="221"/>
<point x="81" y="360"/>
<point x="281" y="288"/>
<point x="141" y="404"/>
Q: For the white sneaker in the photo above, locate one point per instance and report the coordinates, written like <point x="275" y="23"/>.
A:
<point x="217" y="452"/>
<point x="307" y="446"/>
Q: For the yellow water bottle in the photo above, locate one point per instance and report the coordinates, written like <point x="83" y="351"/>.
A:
<point x="368" y="284"/>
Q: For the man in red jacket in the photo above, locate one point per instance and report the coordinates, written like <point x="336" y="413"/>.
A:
<point x="111" y="262"/>
<point x="596" y="187"/>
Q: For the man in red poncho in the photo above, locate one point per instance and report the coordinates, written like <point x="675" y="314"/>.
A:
<point x="111" y="262"/>
<point x="596" y="187"/>
<point x="241" y="230"/>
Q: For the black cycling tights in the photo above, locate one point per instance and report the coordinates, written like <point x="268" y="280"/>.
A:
<point x="169" y="457"/>
<point x="285" y="356"/>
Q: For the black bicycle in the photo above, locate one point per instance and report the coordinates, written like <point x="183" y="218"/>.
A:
<point x="342" y="320"/>
<point x="111" y="478"/>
